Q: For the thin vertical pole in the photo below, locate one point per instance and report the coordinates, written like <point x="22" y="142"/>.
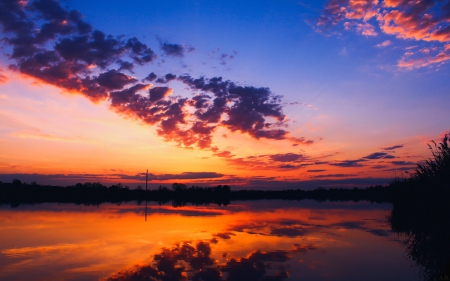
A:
<point x="146" y="180"/>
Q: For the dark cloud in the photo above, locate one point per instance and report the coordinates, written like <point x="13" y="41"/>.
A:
<point x="349" y="163"/>
<point x="62" y="49"/>
<point x="175" y="50"/>
<point x="289" y="166"/>
<point x="288" y="157"/>
<point x="379" y="166"/>
<point x="74" y="178"/>
<point x="400" y="169"/>
<point x="362" y="226"/>
<point x="379" y="232"/>
<point x="127" y="95"/>
<point x="114" y="80"/>
<point x="315" y="171"/>
<point x="288" y="232"/>
<point x="125" y="65"/>
<point x="195" y="260"/>
<point x="245" y="107"/>
<point x="166" y="79"/>
<point x="224" y="58"/>
<point x="392" y="147"/>
<point x="379" y="155"/>
<point x="224" y="235"/>
<point x="402" y="163"/>
<point x="158" y="93"/>
<point x="152" y="76"/>
<point x="333" y="176"/>
<point x="190" y="175"/>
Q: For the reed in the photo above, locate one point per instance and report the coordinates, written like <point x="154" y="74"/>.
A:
<point x="435" y="170"/>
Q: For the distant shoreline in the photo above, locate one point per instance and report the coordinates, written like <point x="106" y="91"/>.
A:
<point x="16" y="193"/>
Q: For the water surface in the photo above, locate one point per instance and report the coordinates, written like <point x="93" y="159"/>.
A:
<point x="258" y="240"/>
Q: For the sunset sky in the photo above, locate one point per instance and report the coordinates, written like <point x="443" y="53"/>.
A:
<point x="268" y="94"/>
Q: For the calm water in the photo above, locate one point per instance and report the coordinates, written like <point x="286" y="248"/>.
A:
<point x="259" y="240"/>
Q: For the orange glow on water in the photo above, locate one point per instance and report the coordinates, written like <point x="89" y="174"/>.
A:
<point x="106" y="240"/>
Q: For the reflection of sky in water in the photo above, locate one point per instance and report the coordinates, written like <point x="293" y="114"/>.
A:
<point x="274" y="240"/>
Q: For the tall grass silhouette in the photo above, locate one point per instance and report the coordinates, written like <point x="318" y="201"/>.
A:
<point x="435" y="170"/>
<point x="421" y="212"/>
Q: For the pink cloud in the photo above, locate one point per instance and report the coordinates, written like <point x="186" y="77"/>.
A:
<point x="420" y="20"/>
<point x="362" y="28"/>
<point x="425" y="61"/>
<point x="384" y="44"/>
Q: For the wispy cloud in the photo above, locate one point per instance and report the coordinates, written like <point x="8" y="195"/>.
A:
<point x="385" y="43"/>
<point x="392" y="147"/>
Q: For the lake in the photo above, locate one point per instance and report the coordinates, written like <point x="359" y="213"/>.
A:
<point x="246" y="240"/>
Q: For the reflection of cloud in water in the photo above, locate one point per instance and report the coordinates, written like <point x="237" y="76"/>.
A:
<point x="298" y="228"/>
<point x="28" y="251"/>
<point x="186" y="261"/>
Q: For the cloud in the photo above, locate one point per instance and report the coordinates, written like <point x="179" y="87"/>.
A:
<point x="361" y="226"/>
<point x="362" y="28"/>
<point x="152" y="76"/>
<point x="158" y="93"/>
<point x="271" y="161"/>
<point x="3" y="78"/>
<point x="301" y="140"/>
<point x="166" y="78"/>
<point x="421" y="20"/>
<point x="401" y="169"/>
<point x="343" y="52"/>
<point x="63" y="50"/>
<point x="402" y="163"/>
<point x="385" y="43"/>
<point x="379" y="166"/>
<point x="315" y="171"/>
<point x="55" y="178"/>
<point x="349" y="163"/>
<point x="175" y="50"/>
<point x="113" y="80"/>
<point x="333" y="176"/>
<point x="224" y="235"/>
<point x="222" y="57"/>
<point x="410" y="63"/>
<point x="190" y="175"/>
<point x="288" y="157"/>
<point x="379" y="155"/>
<point x="226" y="154"/>
<point x="392" y="147"/>
<point x="194" y="259"/>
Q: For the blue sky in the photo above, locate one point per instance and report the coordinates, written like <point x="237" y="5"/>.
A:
<point x="354" y="76"/>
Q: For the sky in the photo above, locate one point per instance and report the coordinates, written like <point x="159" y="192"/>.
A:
<point x="260" y="94"/>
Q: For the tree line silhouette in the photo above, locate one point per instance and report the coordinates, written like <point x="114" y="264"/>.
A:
<point x="16" y="193"/>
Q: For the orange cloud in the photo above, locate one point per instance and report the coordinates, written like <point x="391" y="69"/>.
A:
<point x="3" y="78"/>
